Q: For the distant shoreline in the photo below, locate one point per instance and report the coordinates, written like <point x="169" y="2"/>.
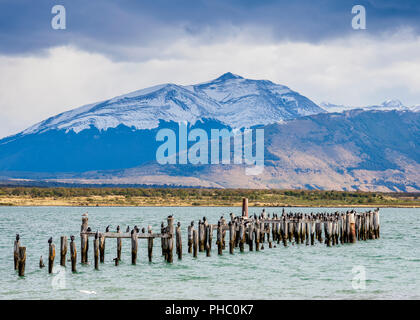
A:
<point x="173" y="197"/>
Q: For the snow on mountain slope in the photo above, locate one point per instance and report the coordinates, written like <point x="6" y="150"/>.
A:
<point x="387" y="105"/>
<point x="230" y="99"/>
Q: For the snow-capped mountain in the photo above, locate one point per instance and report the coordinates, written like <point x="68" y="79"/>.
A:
<point x="393" y="104"/>
<point x="232" y="100"/>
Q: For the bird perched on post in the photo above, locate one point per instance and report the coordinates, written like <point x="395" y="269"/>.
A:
<point x="107" y="229"/>
<point x="137" y="229"/>
<point x="72" y="238"/>
<point x="17" y="237"/>
<point x="50" y="240"/>
<point x="118" y="228"/>
<point x="88" y="229"/>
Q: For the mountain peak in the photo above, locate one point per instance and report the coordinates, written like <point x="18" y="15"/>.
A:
<point x="228" y="76"/>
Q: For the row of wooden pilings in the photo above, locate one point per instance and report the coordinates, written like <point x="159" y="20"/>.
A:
<point x="295" y="228"/>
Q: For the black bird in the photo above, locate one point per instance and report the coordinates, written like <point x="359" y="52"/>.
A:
<point x="50" y="240"/>
<point x="143" y="230"/>
<point x="178" y="224"/>
<point x="17" y="236"/>
<point x="132" y="231"/>
<point x="128" y="229"/>
<point x="72" y="238"/>
<point x="118" y="228"/>
<point x="137" y="229"/>
<point x="107" y="229"/>
<point x="88" y="229"/>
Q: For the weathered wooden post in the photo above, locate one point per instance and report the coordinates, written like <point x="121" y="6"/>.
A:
<point x="200" y="236"/>
<point x="190" y="236"/>
<point x="21" y="261"/>
<point x="102" y="247"/>
<point x="134" y="246"/>
<point x="352" y="228"/>
<point x="245" y="207"/>
<point x="73" y="254"/>
<point x="219" y="238"/>
<point x="162" y="239"/>
<point x="241" y="236"/>
<point x="178" y="240"/>
<point x="231" y="236"/>
<point x="171" y="231"/>
<point x="149" y="243"/>
<point x="257" y="235"/>
<point x="251" y="236"/>
<point x="51" y="255"/>
<point x="84" y="239"/>
<point x="119" y="245"/>
<point x="223" y="224"/>
<point x="209" y="241"/>
<point x="96" y="250"/>
<point x="63" y="250"/>
<point x="195" y="243"/>
<point x="376" y="223"/>
<point x="16" y="251"/>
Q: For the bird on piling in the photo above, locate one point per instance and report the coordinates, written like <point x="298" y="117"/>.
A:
<point x="137" y="229"/>
<point x="88" y="229"/>
<point x="72" y="238"/>
<point x="107" y="229"/>
<point x="143" y="230"/>
<point x="118" y="228"/>
<point x="17" y="236"/>
<point x="178" y="224"/>
<point x="50" y="240"/>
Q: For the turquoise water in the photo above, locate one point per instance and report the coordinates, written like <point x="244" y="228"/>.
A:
<point x="391" y="264"/>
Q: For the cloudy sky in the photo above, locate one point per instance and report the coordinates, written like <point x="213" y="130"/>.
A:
<point x="113" y="47"/>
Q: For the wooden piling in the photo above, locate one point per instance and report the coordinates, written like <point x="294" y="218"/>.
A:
<point x="209" y="240"/>
<point x="96" y="251"/>
<point x="241" y="236"/>
<point x="73" y="254"/>
<point x="21" y="261"/>
<point x="195" y="243"/>
<point x="51" y="257"/>
<point x="245" y="207"/>
<point x="134" y="246"/>
<point x="102" y="247"/>
<point x="190" y="236"/>
<point x="171" y="232"/>
<point x="352" y="228"/>
<point x="149" y="244"/>
<point x="251" y="236"/>
<point x="63" y="250"/>
<point x="231" y="236"/>
<point x="119" y="245"/>
<point x="219" y="239"/>
<point x="178" y="241"/>
<point x="201" y="235"/>
<point x="84" y="239"/>
<point x="16" y="251"/>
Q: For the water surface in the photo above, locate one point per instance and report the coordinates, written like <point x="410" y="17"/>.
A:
<point x="391" y="264"/>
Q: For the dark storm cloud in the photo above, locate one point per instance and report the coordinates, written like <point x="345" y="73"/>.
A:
<point x="113" y="27"/>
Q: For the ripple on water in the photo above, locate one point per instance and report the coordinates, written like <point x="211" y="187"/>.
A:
<point x="297" y="271"/>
